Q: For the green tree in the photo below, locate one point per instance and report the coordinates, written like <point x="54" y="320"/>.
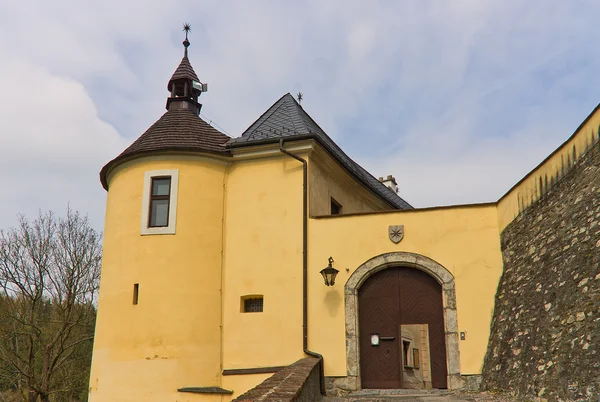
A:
<point x="49" y="277"/>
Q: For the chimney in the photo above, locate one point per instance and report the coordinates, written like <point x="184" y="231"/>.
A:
<point x="390" y="182"/>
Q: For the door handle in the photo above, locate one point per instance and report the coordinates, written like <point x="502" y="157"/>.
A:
<point x="387" y="338"/>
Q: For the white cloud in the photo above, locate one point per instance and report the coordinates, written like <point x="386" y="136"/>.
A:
<point x="458" y="99"/>
<point x="51" y="144"/>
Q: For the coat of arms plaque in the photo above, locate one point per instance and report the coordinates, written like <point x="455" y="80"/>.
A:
<point x="396" y="233"/>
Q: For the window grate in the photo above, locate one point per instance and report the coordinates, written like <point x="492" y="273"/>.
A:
<point x="253" y="305"/>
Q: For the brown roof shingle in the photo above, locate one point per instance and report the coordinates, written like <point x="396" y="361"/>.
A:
<point x="176" y="130"/>
<point x="184" y="70"/>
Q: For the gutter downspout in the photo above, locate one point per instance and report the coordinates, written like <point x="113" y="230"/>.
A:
<point x="305" y="264"/>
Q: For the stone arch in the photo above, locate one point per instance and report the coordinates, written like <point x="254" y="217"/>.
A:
<point x="405" y="259"/>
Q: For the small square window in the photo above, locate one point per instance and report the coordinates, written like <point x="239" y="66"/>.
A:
<point x="252" y="304"/>
<point x="336" y="207"/>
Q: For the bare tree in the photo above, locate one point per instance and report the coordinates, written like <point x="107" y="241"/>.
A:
<point x="49" y="277"/>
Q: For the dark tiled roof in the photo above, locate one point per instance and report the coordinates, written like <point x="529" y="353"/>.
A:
<point x="176" y="130"/>
<point x="286" y="118"/>
<point x="184" y="70"/>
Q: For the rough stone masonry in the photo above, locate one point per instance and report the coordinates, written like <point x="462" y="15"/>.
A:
<point x="545" y="335"/>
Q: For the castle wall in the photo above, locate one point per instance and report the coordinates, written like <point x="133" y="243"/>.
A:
<point x="541" y="179"/>
<point x="545" y="339"/>
<point x="463" y="239"/>
<point x="170" y="338"/>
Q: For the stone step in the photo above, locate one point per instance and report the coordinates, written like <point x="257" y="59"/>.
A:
<point x="404" y="391"/>
<point x="397" y="397"/>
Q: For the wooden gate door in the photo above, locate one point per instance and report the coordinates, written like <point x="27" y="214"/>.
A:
<point x="388" y="299"/>
<point x="379" y="313"/>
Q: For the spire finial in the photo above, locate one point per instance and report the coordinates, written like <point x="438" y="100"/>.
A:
<point x="186" y="43"/>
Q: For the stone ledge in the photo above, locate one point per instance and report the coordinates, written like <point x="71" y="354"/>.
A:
<point x="206" y="390"/>
<point x="255" y="370"/>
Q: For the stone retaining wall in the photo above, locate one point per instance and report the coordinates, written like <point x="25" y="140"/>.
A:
<point x="299" y="382"/>
<point x="545" y="335"/>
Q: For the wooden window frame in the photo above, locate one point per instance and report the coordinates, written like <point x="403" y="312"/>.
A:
<point x="159" y="198"/>
<point x="416" y="358"/>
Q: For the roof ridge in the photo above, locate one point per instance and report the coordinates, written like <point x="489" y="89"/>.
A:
<point x="293" y="111"/>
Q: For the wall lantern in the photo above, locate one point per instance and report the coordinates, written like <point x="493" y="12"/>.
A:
<point x="329" y="273"/>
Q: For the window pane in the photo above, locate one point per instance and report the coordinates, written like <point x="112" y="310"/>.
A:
<point x="161" y="186"/>
<point x="159" y="211"/>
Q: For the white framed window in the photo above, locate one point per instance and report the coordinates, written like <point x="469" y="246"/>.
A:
<point x="159" y="202"/>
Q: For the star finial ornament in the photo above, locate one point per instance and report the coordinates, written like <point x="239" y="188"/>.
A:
<point x="300" y="97"/>
<point x="187" y="28"/>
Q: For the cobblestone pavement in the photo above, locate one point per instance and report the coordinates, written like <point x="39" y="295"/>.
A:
<point x="422" y="396"/>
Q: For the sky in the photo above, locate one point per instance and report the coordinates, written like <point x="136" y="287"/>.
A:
<point x="457" y="99"/>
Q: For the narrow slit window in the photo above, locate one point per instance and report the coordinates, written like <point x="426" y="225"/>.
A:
<point x="252" y="304"/>
<point x="136" y="293"/>
<point x="160" y="196"/>
<point x="336" y="207"/>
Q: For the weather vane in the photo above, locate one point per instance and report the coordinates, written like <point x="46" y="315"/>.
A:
<point x="300" y="97"/>
<point x="186" y="43"/>
<point x="187" y="28"/>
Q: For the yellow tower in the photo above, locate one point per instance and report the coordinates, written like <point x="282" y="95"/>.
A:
<point x="159" y="310"/>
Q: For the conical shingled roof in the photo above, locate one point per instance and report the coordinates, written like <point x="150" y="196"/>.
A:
<point x="185" y="71"/>
<point x="176" y="130"/>
<point x="287" y="119"/>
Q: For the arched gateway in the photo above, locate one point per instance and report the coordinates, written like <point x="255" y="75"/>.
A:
<point x="396" y="303"/>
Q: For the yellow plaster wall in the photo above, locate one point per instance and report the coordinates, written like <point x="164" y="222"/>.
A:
<point x="242" y="383"/>
<point x="464" y="239"/>
<point x="170" y="339"/>
<point x="263" y="256"/>
<point x="328" y="180"/>
<point x="537" y="182"/>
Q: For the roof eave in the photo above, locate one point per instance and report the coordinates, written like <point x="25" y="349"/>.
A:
<point x="119" y="160"/>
